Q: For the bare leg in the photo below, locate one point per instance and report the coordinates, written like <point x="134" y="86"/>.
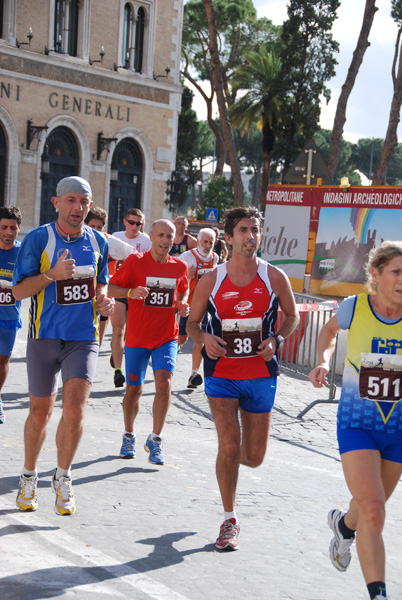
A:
<point x="131" y="405"/>
<point x="69" y="432"/>
<point x="40" y="411"/>
<point x="163" y="385"/>
<point x="118" y="320"/>
<point x="197" y="356"/>
<point x="371" y="481"/>
<point x="4" y="368"/>
<point x="225" y="413"/>
<point x="255" y="432"/>
<point x="102" y="330"/>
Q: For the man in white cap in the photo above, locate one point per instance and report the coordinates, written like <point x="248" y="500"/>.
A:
<point x="62" y="266"/>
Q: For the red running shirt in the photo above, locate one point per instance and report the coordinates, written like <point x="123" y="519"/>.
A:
<point x="152" y="322"/>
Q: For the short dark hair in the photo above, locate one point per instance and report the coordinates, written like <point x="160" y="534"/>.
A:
<point x="232" y="216"/>
<point x="11" y="212"/>
<point x="136" y="212"/>
<point x="96" y="212"/>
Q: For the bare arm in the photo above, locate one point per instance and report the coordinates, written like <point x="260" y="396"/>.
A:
<point x="191" y="242"/>
<point x="325" y="349"/>
<point x="225" y="251"/>
<point x="183" y="308"/>
<point x="138" y="293"/>
<point x="30" y="286"/>
<point x="281" y="286"/>
<point x="214" y="345"/>
<point x="104" y="305"/>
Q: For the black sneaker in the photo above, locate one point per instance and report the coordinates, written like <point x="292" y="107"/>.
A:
<point x="194" y="381"/>
<point x="119" y="379"/>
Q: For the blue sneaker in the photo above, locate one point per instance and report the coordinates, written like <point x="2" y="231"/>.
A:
<point x="154" y="447"/>
<point x="127" y="449"/>
<point x="2" y="415"/>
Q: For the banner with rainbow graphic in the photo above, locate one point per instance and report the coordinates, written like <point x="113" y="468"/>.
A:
<point x="343" y="225"/>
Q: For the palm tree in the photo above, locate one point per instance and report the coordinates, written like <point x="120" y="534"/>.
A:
<point x="260" y="102"/>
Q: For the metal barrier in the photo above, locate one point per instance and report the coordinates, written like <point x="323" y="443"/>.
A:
<point x="299" y="352"/>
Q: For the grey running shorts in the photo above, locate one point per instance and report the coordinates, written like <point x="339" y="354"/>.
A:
<point x="46" y="358"/>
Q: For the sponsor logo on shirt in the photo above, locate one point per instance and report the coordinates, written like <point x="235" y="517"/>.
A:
<point x="86" y="248"/>
<point x="258" y="291"/>
<point x="244" y="305"/>
<point x="229" y="295"/>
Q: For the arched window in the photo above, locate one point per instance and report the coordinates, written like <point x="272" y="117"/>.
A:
<point x="127" y="35"/>
<point x="63" y="158"/>
<point x="1" y="18"/>
<point x="3" y="158"/>
<point x="139" y="40"/>
<point x="66" y="26"/>
<point x="126" y="183"/>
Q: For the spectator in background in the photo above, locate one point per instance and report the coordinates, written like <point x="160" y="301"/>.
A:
<point x="134" y="235"/>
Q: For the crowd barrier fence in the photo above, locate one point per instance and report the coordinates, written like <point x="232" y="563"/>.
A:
<point x="299" y="352"/>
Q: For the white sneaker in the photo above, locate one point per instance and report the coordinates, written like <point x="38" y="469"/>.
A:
<point x="65" y="501"/>
<point x="26" y="497"/>
<point x="339" y="548"/>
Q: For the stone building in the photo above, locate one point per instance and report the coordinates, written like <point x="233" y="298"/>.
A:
<point x="89" y="88"/>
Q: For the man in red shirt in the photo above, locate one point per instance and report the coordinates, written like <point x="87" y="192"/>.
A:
<point x="156" y="286"/>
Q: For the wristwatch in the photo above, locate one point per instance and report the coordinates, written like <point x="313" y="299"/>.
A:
<point x="279" y="341"/>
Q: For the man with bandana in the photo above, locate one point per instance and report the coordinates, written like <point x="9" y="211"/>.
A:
<point x="62" y="266"/>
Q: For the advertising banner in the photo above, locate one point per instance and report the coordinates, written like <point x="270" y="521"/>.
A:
<point x="344" y="224"/>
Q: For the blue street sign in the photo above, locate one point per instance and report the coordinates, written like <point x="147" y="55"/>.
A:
<point x="212" y="215"/>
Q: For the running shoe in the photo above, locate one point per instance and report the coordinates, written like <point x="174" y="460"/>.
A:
<point x="127" y="449"/>
<point x="26" y="497"/>
<point x="228" y="534"/>
<point x="339" y="548"/>
<point x="154" y="447"/>
<point x="119" y="379"/>
<point x="194" y="381"/>
<point x="65" y="501"/>
<point x="2" y="415"/>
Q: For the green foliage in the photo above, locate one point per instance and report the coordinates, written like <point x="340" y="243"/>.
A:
<point x="186" y="174"/>
<point x="308" y="62"/>
<point x="368" y="152"/>
<point x="346" y="165"/>
<point x="218" y="193"/>
<point x="204" y="142"/>
<point x="259" y="77"/>
<point x="396" y="11"/>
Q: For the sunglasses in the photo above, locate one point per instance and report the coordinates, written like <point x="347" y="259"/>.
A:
<point x="138" y="223"/>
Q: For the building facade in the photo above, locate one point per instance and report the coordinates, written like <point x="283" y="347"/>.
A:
<point x="89" y="88"/>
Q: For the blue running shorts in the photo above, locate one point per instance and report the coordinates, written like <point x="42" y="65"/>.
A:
<point x="255" y="395"/>
<point x="7" y="341"/>
<point x="46" y="358"/>
<point x="389" y="445"/>
<point x="137" y="360"/>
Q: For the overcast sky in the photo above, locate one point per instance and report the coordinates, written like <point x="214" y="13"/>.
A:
<point x="369" y="103"/>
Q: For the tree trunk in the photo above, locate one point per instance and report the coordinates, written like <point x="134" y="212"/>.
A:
<point x="391" y="138"/>
<point x="340" y="115"/>
<point x="268" y="141"/>
<point x="227" y="131"/>
<point x="257" y="187"/>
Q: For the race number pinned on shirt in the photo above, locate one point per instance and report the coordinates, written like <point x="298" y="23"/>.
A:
<point x="161" y="292"/>
<point x="78" y="290"/>
<point x="380" y="377"/>
<point x="242" y="336"/>
<point x="201" y="272"/>
<point x="6" y="293"/>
